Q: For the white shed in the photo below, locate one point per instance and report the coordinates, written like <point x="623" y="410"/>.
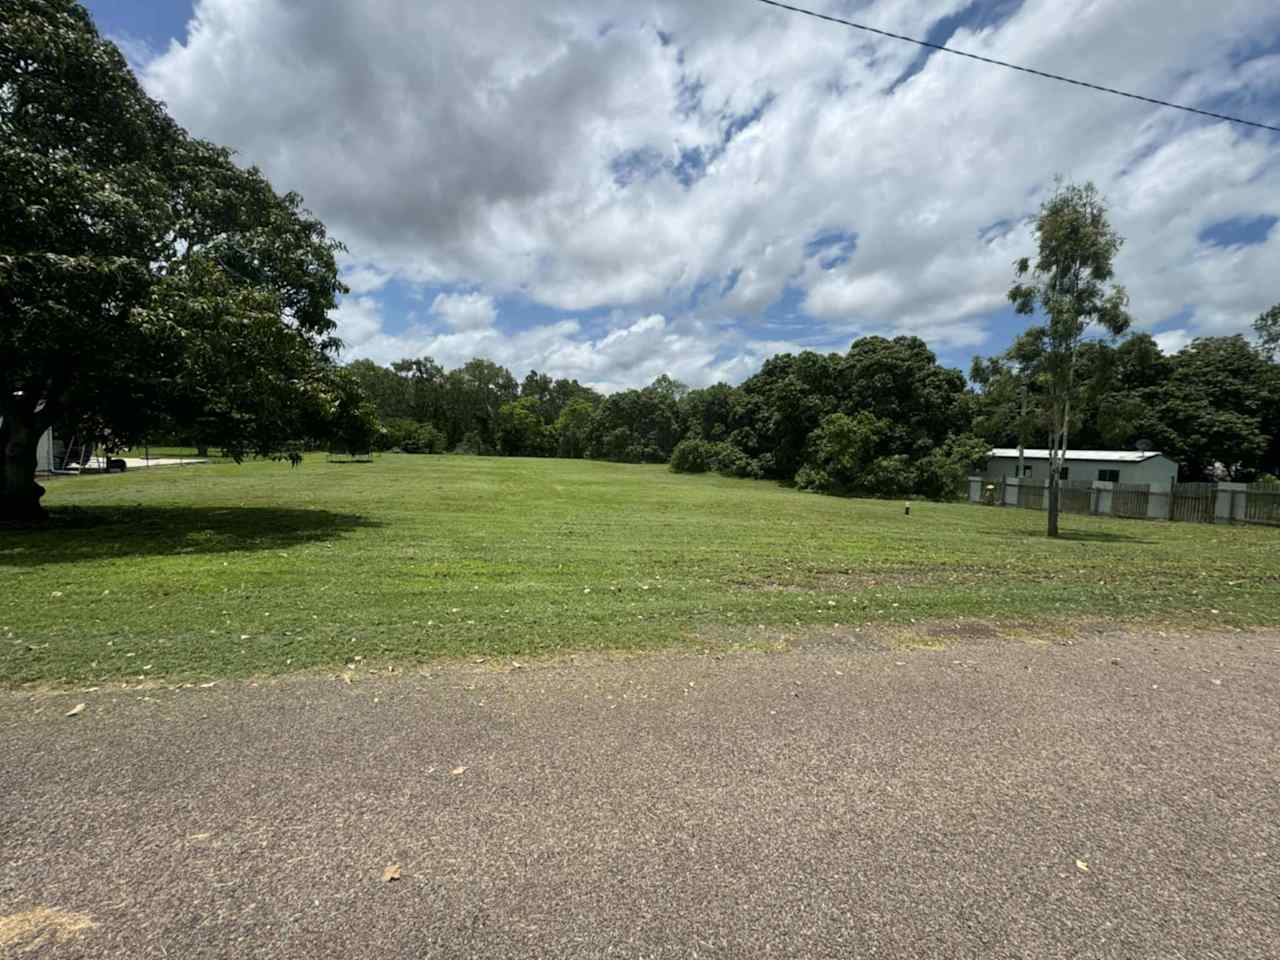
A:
<point x="1116" y="466"/>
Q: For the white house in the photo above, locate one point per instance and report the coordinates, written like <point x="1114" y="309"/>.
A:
<point x="1115" y="466"/>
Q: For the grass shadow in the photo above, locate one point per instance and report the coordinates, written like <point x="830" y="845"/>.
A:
<point x="1087" y="536"/>
<point x="76" y="534"/>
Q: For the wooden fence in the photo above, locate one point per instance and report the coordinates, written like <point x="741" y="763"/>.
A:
<point x="1261" y="504"/>
<point x="1131" y="500"/>
<point x="1076" y="496"/>
<point x="1183" y="502"/>
<point x="1193" y="502"/>
<point x="1032" y="496"/>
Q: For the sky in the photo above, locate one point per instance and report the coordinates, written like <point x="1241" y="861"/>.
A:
<point x="614" y="189"/>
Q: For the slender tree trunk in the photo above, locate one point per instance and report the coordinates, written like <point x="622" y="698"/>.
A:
<point x="19" y="493"/>
<point x="1055" y="472"/>
<point x="1021" y="423"/>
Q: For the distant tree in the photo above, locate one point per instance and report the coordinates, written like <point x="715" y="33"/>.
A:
<point x="145" y="279"/>
<point x="1267" y="327"/>
<point x="424" y="387"/>
<point x="708" y="412"/>
<point x="842" y="450"/>
<point x="538" y="387"/>
<point x="573" y="428"/>
<point x="353" y="425"/>
<point x="638" y="425"/>
<point x="391" y="393"/>
<point x="1069" y="284"/>
<point x="473" y="394"/>
<point x="900" y="382"/>
<point x="521" y="431"/>
<point x="1213" y="412"/>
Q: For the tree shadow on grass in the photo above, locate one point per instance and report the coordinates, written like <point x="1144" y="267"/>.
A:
<point x="76" y="534"/>
<point x="1086" y="536"/>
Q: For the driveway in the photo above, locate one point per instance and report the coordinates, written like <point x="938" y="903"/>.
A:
<point x="1117" y="795"/>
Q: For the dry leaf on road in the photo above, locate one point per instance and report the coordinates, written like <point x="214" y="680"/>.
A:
<point x="392" y="872"/>
<point x="76" y="710"/>
<point x="1082" y="866"/>
<point x="457" y="771"/>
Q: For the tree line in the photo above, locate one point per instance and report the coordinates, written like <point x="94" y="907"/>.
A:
<point x="884" y="418"/>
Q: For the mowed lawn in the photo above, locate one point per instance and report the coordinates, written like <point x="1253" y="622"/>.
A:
<point x="220" y="570"/>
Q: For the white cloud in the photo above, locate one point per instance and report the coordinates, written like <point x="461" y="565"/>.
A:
<point x="536" y="149"/>
<point x="365" y="278"/>
<point x="1171" y="341"/>
<point x="632" y="352"/>
<point x="465" y="311"/>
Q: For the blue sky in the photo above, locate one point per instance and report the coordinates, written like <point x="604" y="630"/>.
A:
<point x="611" y="191"/>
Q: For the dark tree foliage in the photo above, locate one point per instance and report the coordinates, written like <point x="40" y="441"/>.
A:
<point x="147" y="283"/>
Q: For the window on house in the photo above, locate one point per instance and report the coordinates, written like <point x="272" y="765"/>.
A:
<point x="1109" y="476"/>
<point x="1026" y="470"/>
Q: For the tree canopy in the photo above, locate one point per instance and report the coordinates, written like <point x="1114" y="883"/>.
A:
<point x="147" y="282"/>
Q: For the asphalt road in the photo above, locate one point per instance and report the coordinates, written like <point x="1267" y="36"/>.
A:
<point x="993" y="799"/>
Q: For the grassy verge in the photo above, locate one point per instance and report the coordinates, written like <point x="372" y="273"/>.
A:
<point x="224" y="570"/>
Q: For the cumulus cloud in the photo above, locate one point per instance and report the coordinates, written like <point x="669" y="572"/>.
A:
<point x="601" y="153"/>
<point x="629" y="352"/>
<point x="465" y="311"/>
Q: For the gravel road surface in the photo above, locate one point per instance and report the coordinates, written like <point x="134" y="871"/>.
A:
<point x="1117" y="795"/>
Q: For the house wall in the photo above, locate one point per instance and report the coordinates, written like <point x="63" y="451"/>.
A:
<point x="1158" y="471"/>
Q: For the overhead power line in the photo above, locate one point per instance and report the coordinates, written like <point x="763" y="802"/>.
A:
<point x="1013" y="66"/>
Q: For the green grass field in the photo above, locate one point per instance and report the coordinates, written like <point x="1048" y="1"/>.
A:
<point x="199" y="572"/>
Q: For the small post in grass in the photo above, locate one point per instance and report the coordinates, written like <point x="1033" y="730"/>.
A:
<point x="907" y="512"/>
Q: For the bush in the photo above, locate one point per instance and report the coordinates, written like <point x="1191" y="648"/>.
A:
<point x="940" y="474"/>
<point x="813" y="478"/>
<point x="841" y="452"/>
<point x="424" y="439"/>
<point x="691" y="456"/>
<point x="729" y="461"/>
<point x="412" y="436"/>
<point x="888" y="477"/>
<point x="474" y="445"/>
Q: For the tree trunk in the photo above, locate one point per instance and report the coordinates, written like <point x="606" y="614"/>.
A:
<point x="1055" y="475"/>
<point x="1053" y="506"/>
<point x="19" y="493"/>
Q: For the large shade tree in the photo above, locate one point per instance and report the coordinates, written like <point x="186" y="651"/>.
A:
<point x="146" y="280"/>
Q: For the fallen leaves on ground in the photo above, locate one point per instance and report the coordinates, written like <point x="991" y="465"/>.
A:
<point x="76" y="710"/>
<point x="392" y="872"/>
<point x="457" y="771"/>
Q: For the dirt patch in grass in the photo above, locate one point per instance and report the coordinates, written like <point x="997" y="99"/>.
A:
<point x="845" y="581"/>
<point x="39" y="928"/>
<point x="940" y="634"/>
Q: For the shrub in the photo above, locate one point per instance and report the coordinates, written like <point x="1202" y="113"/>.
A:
<point x="474" y="445"/>
<point x="728" y="460"/>
<point x="888" y="477"/>
<point x="813" y="478"/>
<point x="424" y="439"/>
<point x="412" y="436"/>
<point x="691" y="456"/>
<point x="841" y="451"/>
